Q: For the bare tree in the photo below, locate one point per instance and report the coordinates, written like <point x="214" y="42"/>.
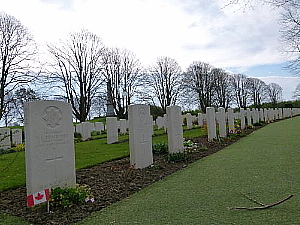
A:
<point x="17" y="50"/>
<point x="290" y="32"/>
<point x="188" y="100"/>
<point x="274" y="91"/>
<point x="297" y="92"/>
<point x="122" y="71"/>
<point x="19" y="97"/>
<point x="257" y="91"/>
<point x="222" y="88"/>
<point x="99" y="105"/>
<point x="164" y="80"/>
<point x="290" y="26"/>
<point x="240" y="90"/>
<point x="200" y="80"/>
<point x="77" y="70"/>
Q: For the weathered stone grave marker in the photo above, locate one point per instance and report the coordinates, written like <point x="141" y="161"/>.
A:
<point x="86" y="129"/>
<point x="211" y="123"/>
<point x="5" y="142"/>
<point x="50" y="158"/>
<point x="242" y="118"/>
<point x="200" y="119"/>
<point x="189" y="121"/>
<point x="159" y="122"/>
<point x="175" y="133"/>
<point x="140" y="136"/>
<point x="222" y="122"/>
<point x="123" y="127"/>
<point x="16" y="136"/>
<point x="249" y="117"/>
<point x="231" y="126"/>
<point x="112" y="129"/>
<point x="99" y="126"/>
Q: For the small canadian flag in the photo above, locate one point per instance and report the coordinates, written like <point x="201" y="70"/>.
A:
<point x="38" y="198"/>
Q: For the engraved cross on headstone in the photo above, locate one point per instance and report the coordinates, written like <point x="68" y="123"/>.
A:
<point x="55" y="160"/>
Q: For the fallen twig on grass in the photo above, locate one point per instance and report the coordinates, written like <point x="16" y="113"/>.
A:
<point x="262" y="206"/>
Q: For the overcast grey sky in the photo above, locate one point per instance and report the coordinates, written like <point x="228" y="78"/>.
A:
<point x="186" y="30"/>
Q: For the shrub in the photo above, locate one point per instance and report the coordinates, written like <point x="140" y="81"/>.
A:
<point x="203" y="148"/>
<point x="177" y="157"/>
<point x="160" y="148"/>
<point x="258" y="124"/>
<point x="67" y="197"/>
<point x="188" y="143"/>
<point x="95" y="133"/>
<point x="77" y="135"/>
<point x="20" y="148"/>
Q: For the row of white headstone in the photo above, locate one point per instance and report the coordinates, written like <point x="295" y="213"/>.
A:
<point x="10" y="137"/>
<point x="112" y="126"/>
<point x="50" y="156"/>
<point x="251" y="116"/>
<point x="247" y="117"/>
<point x="49" y="132"/>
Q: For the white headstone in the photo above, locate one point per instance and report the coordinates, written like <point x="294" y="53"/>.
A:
<point x="153" y="124"/>
<point x="86" y="129"/>
<point x="270" y="115"/>
<point x="159" y="122"/>
<point x="242" y="118"/>
<point x="165" y="123"/>
<point x="231" y="126"/>
<point x="140" y="136"/>
<point x="175" y="133"/>
<point x="112" y="129"/>
<point x="249" y="117"/>
<point x="189" y="121"/>
<point x="280" y="113"/>
<point x="16" y="136"/>
<point x="211" y="123"/>
<point x="266" y="115"/>
<point x="99" y="126"/>
<point x="78" y="128"/>
<point x="123" y="127"/>
<point x="261" y="115"/>
<point x="200" y="119"/>
<point x="5" y="138"/>
<point x="50" y="157"/>
<point x="222" y="122"/>
<point x="254" y="116"/>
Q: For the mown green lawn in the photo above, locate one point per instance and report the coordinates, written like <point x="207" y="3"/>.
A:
<point x="87" y="153"/>
<point x="264" y="165"/>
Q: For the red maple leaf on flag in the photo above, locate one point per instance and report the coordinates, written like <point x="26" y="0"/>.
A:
<point x="39" y="196"/>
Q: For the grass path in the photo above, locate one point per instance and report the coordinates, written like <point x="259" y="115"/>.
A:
<point x="264" y="165"/>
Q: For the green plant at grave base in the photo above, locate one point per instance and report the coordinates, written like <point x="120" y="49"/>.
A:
<point x="205" y="129"/>
<point x="249" y="127"/>
<point x="160" y="148"/>
<point x="259" y="124"/>
<point x="5" y="151"/>
<point x="19" y="148"/>
<point x="233" y="135"/>
<point x="95" y="133"/>
<point x="203" y="149"/>
<point x="156" y="167"/>
<point x="190" y="146"/>
<point x="177" y="157"/>
<point x="188" y="143"/>
<point x="88" y="153"/>
<point x="77" y="135"/>
<point x="69" y="196"/>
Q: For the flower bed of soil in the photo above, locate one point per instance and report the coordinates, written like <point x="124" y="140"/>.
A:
<point x="110" y="182"/>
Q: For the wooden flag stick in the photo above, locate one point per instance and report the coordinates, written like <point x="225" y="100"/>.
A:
<point x="263" y="206"/>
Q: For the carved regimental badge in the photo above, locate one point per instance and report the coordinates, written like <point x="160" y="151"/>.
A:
<point x="52" y="117"/>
